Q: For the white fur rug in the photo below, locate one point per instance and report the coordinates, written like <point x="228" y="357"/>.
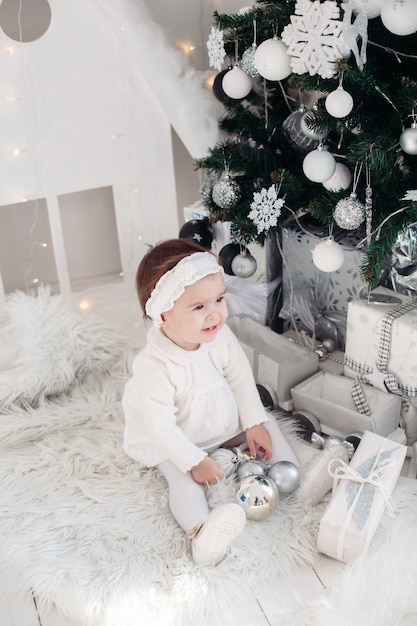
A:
<point x="89" y="530"/>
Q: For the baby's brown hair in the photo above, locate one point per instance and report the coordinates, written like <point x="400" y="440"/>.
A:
<point x="158" y="261"/>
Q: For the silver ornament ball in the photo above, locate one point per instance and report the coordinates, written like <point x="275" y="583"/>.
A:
<point x="251" y="468"/>
<point x="248" y="62"/>
<point x="349" y="213"/>
<point x="286" y="477"/>
<point x="227" y="460"/>
<point x="244" y="265"/>
<point x="258" y="496"/>
<point x="408" y="140"/>
<point x="226" y="193"/>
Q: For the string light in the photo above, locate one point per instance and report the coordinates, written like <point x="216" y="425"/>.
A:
<point x="84" y="305"/>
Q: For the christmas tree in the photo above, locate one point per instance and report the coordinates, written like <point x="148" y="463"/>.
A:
<point x="320" y="116"/>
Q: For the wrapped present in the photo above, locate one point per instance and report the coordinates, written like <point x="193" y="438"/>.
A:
<point x="314" y="300"/>
<point x="331" y="399"/>
<point x="381" y="348"/>
<point x="361" y="492"/>
<point x="276" y="362"/>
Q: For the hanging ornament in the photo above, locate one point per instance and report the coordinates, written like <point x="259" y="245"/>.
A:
<point x="368" y="207"/>
<point x="265" y="209"/>
<point x="319" y="165"/>
<point x="328" y="256"/>
<point x="248" y="57"/>
<point x="339" y="102"/>
<point x="228" y="253"/>
<point x="340" y="180"/>
<point x="226" y="192"/>
<point x="305" y="125"/>
<point x="218" y="85"/>
<point x="314" y="38"/>
<point x="272" y="60"/>
<point x="215" y="47"/>
<point x="236" y="83"/>
<point x="400" y="16"/>
<point x="244" y="265"/>
<point x="349" y="213"/>
<point x="371" y="8"/>
<point x="355" y="34"/>
<point x="199" y="231"/>
<point x="294" y="134"/>
<point x="408" y="139"/>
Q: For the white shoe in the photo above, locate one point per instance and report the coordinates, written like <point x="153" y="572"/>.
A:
<point x="223" y="525"/>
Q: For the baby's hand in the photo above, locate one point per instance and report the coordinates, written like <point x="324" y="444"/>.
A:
<point x="258" y="438"/>
<point x="207" y="471"/>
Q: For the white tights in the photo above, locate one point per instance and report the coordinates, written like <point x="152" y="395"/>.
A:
<point x="187" y="499"/>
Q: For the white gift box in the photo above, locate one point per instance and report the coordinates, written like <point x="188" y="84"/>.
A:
<point x="276" y="361"/>
<point x="361" y="493"/>
<point x="329" y="398"/>
<point x="381" y="346"/>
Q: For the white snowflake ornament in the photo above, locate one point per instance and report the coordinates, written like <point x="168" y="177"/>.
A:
<point x="265" y="209"/>
<point x="411" y="195"/>
<point x="215" y="47"/>
<point x="314" y="38"/>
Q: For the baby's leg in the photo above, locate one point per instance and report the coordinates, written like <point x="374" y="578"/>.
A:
<point x="187" y="499"/>
<point x="281" y="449"/>
<point x="210" y="533"/>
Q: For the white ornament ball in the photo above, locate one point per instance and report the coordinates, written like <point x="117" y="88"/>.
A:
<point x="339" y="103"/>
<point x="328" y="256"/>
<point x="244" y="265"/>
<point x="349" y="213"/>
<point x="236" y="83"/>
<point x="271" y="59"/>
<point x="408" y="139"/>
<point x="319" y="165"/>
<point x="371" y="8"/>
<point x="340" y="180"/>
<point x="400" y="16"/>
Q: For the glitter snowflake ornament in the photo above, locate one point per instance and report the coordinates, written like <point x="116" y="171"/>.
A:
<point x="215" y="47"/>
<point x="314" y="38"/>
<point x="265" y="209"/>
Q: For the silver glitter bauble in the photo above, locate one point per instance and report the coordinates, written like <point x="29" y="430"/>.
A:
<point x="227" y="460"/>
<point x="247" y="62"/>
<point x="244" y="265"/>
<point x="349" y="213"/>
<point x="226" y="193"/>
<point x="251" y="468"/>
<point x="408" y="139"/>
<point x="258" y="496"/>
<point x="286" y="477"/>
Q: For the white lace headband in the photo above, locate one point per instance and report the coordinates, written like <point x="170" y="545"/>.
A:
<point x="171" y="285"/>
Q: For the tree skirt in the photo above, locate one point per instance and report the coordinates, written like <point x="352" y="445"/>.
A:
<point x="89" y="531"/>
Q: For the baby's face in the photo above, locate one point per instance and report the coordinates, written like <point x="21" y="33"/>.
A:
<point x="198" y="314"/>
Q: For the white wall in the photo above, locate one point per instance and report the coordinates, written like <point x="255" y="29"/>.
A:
<point x="90" y="105"/>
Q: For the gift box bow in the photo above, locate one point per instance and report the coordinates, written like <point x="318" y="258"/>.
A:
<point x="364" y="482"/>
<point x="369" y="376"/>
